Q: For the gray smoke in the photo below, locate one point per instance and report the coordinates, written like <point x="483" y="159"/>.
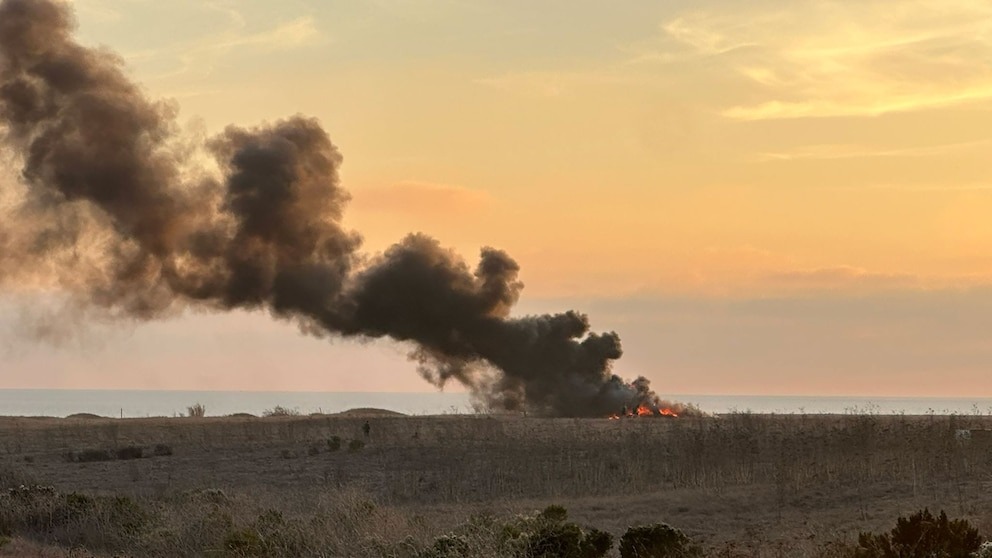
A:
<point x="112" y="208"/>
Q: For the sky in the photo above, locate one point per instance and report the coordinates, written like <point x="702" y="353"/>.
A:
<point x="760" y="197"/>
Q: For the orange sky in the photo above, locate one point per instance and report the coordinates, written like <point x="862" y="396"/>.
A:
<point x="759" y="196"/>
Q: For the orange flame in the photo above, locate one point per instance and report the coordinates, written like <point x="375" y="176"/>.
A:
<point x="645" y="411"/>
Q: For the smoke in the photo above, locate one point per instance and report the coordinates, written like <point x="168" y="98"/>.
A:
<point x="113" y="209"/>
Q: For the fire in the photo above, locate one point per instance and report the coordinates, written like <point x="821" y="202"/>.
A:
<point x="644" y="411"/>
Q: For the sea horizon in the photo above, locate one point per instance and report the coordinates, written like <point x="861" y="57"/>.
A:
<point x="134" y="403"/>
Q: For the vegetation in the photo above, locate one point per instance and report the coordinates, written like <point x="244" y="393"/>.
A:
<point x="280" y="411"/>
<point x="922" y="535"/>
<point x="735" y="486"/>
<point x="196" y="410"/>
<point x="657" y="541"/>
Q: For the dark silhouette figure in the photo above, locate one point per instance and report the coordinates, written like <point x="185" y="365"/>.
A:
<point x="366" y="428"/>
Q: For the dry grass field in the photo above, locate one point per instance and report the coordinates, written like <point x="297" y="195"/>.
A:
<point x="740" y="484"/>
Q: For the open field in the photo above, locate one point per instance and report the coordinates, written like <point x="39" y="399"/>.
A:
<point x="741" y="484"/>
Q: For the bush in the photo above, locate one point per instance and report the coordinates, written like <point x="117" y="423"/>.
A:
<point x="130" y="452"/>
<point x="657" y="541"/>
<point x="922" y="535"/>
<point x="280" y="411"/>
<point x="596" y="544"/>
<point x="196" y="410"/>
<point x="448" y="546"/>
<point x="550" y="535"/>
<point x="334" y="443"/>
<point x="161" y="450"/>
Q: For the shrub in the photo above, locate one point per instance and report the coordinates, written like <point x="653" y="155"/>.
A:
<point x="130" y="452"/>
<point x="922" y="535"/>
<point x="196" y="410"/>
<point x="334" y="443"/>
<point x="596" y="544"/>
<point x="161" y="450"/>
<point x="657" y="541"/>
<point x="554" y="513"/>
<point x="550" y="535"/>
<point x="280" y="411"/>
<point x="355" y="445"/>
<point x="313" y="450"/>
<point x="448" y="546"/>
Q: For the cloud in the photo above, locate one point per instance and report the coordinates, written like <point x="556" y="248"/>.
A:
<point x="856" y="151"/>
<point x="842" y="277"/>
<point x="820" y="59"/>
<point x="200" y="55"/>
<point x="97" y="10"/>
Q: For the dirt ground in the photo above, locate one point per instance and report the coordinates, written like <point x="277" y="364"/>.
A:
<point x="770" y="485"/>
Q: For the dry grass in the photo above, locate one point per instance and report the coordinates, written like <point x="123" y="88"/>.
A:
<point x="742" y="484"/>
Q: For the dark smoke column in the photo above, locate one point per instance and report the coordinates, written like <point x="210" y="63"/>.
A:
<point x="115" y="212"/>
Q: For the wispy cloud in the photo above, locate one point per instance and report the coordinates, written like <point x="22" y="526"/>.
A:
<point x="97" y="10"/>
<point x="855" y="151"/>
<point x="841" y="276"/>
<point x="826" y="59"/>
<point x="200" y="55"/>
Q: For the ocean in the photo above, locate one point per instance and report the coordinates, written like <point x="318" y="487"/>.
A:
<point x="132" y="403"/>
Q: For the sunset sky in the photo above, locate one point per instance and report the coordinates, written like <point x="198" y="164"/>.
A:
<point x="760" y="197"/>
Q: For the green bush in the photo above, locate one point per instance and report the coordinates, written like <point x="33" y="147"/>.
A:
<point x="922" y="535"/>
<point x="355" y="445"/>
<point x="657" y="541"/>
<point x="334" y="443"/>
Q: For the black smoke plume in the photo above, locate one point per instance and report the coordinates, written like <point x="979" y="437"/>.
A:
<point x="112" y="207"/>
